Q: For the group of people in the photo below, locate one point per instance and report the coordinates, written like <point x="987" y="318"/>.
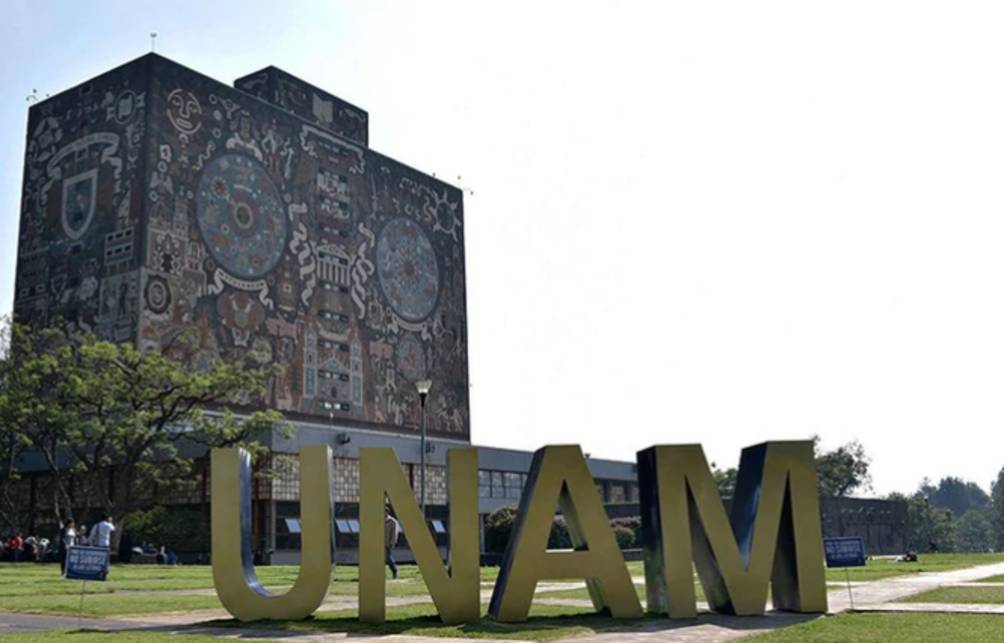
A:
<point x="17" y="549"/>
<point x="99" y="536"/>
<point x="30" y="549"/>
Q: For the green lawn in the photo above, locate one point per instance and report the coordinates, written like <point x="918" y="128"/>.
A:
<point x="145" y="589"/>
<point x="545" y="623"/>
<point x="886" y="567"/>
<point x="981" y="595"/>
<point x="108" y="604"/>
<point x="91" y="636"/>
<point x="857" y="627"/>
<point x="992" y="579"/>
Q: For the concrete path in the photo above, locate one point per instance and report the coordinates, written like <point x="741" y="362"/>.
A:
<point x="889" y="590"/>
<point x="945" y="608"/>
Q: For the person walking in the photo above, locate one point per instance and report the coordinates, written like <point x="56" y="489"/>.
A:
<point x="67" y="539"/>
<point x="391" y="532"/>
<point x="101" y="533"/>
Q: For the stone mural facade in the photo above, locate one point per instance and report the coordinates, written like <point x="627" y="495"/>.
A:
<point x="168" y="209"/>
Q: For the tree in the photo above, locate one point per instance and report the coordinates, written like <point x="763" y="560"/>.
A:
<point x="973" y="532"/>
<point x="843" y="470"/>
<point x="114" y="415"/>
<point x="997" y="510"/>
<point x="725" y="479"/>
<point x="928" y="528"/>
<point x="11" y="447"/>
<point x="956" y="494"/>
<point x="32" y="404"/>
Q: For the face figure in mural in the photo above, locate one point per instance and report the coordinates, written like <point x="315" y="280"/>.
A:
<point x="124" y="106"/>
<point x="184" y="111"/>
<point x="242" y="315"/>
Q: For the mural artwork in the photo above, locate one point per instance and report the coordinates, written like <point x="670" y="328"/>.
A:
<point x="161" y="205"/>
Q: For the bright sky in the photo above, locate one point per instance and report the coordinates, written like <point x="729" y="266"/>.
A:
<point x="697" y="222"/>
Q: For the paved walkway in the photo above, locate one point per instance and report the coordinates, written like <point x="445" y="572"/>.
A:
<point x="946" y="608"/>
<point x="876" y="593"/>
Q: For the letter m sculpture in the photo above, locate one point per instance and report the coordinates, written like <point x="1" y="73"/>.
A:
<point x="773" y="535"/>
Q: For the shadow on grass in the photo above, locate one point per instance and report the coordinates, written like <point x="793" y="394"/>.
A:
<point x="538" y="626"/>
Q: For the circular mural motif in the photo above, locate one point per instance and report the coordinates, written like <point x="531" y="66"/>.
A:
<point x="410" y="358"/>
<point x="406" y="265"/>
<point x="158" y="295"/>
<point x="241" y="216"/>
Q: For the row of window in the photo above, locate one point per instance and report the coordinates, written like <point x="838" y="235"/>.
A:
<point x="501" y="484"/>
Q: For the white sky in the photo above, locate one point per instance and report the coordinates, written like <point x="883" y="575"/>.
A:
<point x="710" y="222"/>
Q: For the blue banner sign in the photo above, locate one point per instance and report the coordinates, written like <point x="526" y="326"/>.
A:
<point x="87" y="563"/>
<point x="844" y="552"/>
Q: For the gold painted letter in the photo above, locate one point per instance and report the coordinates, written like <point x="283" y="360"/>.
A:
<point x="456" y="593"/>
<point x="233" y="567"/>
<point x="559" y="477"/>
<point x="774" y="535"/>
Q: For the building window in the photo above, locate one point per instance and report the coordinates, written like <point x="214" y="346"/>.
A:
<point x="485" y="484"/>
<point x="498" y="489"/>
<point x="617" y="495"/>
<point x="501" y="484"/>
<point x="514" y="485"/>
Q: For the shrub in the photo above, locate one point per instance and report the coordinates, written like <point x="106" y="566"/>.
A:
<point x="625" y="537"/>
<point x="498" y="528"/>
<point x="499" y="524"/>
<point x="180" y="529"/>
<point x="633" y="525"/>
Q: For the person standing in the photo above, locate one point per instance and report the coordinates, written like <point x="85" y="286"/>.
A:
<point x="101" y="533"/>
<point x="67" y="539"/>
<point x="14" y="545"/>
<point x="391" y="532"/>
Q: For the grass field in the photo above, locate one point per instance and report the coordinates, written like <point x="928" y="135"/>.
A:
<point x="545" y="623"/>
<point x="886" y="567"/>
<point x="148" y="589"/>
<point x="980" y="595"/>
<point x="992" y="579"/>
<point x="856" y="628"/>
<point x="91" y="636"/>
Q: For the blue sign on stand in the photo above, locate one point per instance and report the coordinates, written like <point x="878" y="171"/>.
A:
<point x="844" y="552"/>
<point x="87" y="563"/>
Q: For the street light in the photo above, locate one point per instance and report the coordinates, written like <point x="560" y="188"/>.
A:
<point x="423" y="387"/>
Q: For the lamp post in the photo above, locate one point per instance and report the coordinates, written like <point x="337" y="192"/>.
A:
<point x="423" y="387"/>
